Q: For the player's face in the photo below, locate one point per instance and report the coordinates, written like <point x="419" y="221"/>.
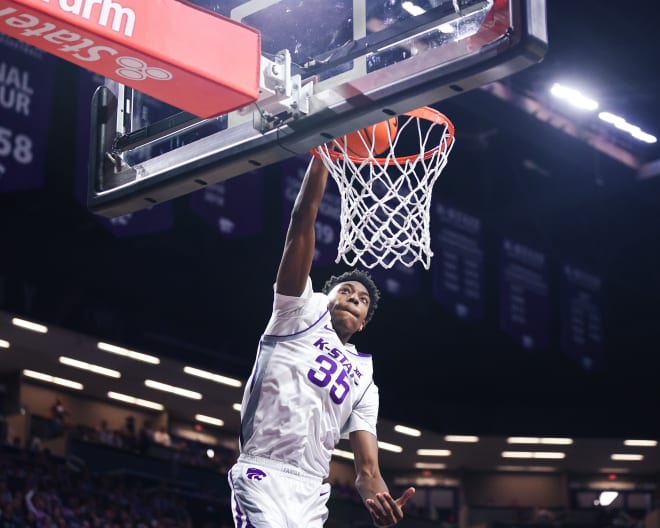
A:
<point x="348" y="305"/>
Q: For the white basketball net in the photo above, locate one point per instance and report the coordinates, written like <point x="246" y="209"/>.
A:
<point x="386" y="201"/>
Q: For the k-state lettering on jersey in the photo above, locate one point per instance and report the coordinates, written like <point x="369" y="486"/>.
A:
<point x="307" y="389"/>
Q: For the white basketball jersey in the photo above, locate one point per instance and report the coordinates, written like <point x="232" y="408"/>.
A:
<point x="307" y="389"/>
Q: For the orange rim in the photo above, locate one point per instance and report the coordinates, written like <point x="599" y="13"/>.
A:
<point x="425" y="112"/>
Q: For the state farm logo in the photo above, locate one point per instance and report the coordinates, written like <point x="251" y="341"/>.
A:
<point x="105" y="13"/>
<point x="64" y="41"/>
<point x="135" y="69"/>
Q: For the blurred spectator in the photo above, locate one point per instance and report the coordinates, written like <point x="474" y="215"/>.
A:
<point x="58" y="417"/>
<point x="162" y="437"/>
<point x="105" y="435"/>
<point x="129" y="434"/>
<point x="542" y="515"/>
<point x="146" y="436"/>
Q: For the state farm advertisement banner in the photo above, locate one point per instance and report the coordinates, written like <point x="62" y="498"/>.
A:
<point x="26" y="81"/>
<point x="170" y="49"/>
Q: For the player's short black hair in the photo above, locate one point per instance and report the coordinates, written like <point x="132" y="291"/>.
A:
<point x="367" y="282"/>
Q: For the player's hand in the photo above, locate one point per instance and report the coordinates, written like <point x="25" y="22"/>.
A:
<point x="386" y="511"/>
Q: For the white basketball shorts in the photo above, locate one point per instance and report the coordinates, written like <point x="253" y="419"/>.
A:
<point x="270" y="494"/>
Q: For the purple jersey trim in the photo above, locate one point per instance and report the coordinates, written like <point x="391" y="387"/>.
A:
<point x="275" y="338"/>
<point x="240" y="518"/>
<point x="272" y="337"/>
<point x="357" y="402"/>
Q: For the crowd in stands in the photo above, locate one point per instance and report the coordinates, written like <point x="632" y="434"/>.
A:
<point x="39" y="490"/>
<point x="157" y="441"/>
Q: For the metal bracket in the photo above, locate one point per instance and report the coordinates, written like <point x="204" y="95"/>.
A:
<point x="283" y="97"/>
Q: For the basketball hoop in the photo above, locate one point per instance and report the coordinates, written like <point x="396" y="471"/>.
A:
<point x="386" y="199"/>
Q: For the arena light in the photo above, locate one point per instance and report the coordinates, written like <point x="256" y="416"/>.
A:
<point x="4" y="344"/>
<point x="132" y="354"/>
<point x="530" y="469"/>
<point x="83" y="365"/>
<point x="386" y="446"/>
<point x="236" y="407"/>
<point x="640" y="443"/>
<point x="573" y="97"/>
<point x="430" y="465"/>
<point x="557" y="441"/>
<point x="172" y="389"/>
<point x="209" y="420"/>
<point x="552" y="455"/>
<point x="29" y="325"/>
<point x="135" y="401"/>
<point x="465" y="439"/>
<point x="613" y="470"/>
<point x="532" y="440"/>
<point x="52" y="379"/>
<point x="413" y="9"/>
<point x="343" y="454"/>
<point x="517" y="454"/>
<point x="212" y="377"/>
<point x="522" y="440"/>
<point x="623" y="125"/>
<point x="609" y="485"/>
<point x="407" y="430"/>
<point x="434" y="452"/>
<point x="460" y="28"/>
<point x="627" y="456"/>
<point x="416" y="10"/>
<point x="607" y="497"/>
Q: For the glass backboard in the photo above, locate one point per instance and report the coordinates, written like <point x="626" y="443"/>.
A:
<point x="328" y="67"/>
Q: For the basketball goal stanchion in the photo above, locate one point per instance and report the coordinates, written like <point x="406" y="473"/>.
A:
<point x="386" y="198"/>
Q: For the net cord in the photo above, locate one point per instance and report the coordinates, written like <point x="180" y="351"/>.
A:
<point x="386" y="200"/>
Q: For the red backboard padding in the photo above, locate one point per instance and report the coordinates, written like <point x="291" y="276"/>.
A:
<point x="172" y="50"/>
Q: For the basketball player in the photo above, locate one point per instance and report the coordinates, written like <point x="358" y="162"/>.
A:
<point x="308" y="388"/>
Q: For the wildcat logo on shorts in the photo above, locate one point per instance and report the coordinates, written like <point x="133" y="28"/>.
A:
<point x="255" y="474"/>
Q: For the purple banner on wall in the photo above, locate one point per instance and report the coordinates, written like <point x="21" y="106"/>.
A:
<point x="327" y="222"/>
<point x="27" y="78"/>
<point x="581" y="317"/>
<point x="457" y="267"/>
<point x="399" y="280"/>
<point x="158" y="218"/>
<point x="524" y="296"/>
<point x="234" y="207"/>
<point x="144" y="222"/>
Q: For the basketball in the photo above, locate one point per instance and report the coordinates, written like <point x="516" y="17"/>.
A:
<point x="374" y="139"/>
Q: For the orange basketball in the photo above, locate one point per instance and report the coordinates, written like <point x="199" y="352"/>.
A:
<point x="375" y="138"/>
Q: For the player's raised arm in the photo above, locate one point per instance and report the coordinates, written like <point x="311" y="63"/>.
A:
<point x="384" y="509"/>
<point x="296" y="262"/>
